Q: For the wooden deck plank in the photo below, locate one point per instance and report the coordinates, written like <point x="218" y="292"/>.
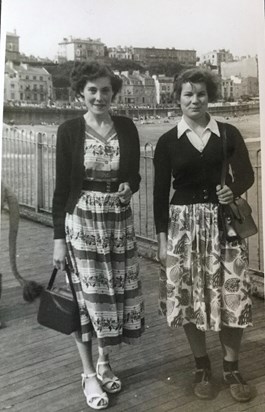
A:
<point x="40" y="369"/>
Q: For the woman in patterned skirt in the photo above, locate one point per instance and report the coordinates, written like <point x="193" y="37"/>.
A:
<point x="204" y="277"/>
<point x="97" y="171"/>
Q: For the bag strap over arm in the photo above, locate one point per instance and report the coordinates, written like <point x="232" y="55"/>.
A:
<point x="68" y="273"/>
<point x="224" y="146"/>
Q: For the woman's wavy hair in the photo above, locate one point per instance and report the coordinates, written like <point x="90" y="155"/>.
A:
<point x="196" y="75"/>
<point x="88" y="71"/>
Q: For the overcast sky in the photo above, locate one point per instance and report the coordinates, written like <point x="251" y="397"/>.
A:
<point x="202" y="25"/>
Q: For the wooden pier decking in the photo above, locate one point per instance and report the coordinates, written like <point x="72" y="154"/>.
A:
<point x="40" y="369"/>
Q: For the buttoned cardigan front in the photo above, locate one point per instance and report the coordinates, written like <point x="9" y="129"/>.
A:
<point x="196" y="174"/>
<point x="70" y="165"/>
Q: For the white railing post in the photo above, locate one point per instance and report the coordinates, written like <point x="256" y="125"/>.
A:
<point x="39" y="173"/>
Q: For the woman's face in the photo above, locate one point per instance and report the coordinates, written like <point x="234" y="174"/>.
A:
<point x="98" y="95"/>
<point x="194" y="100"/>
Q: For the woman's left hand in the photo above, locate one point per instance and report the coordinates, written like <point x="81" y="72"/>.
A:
<point x="125" y="193"/>
<point x="225" y="194"/>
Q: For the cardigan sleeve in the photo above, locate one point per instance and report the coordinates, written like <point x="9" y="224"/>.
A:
<point x="243" y="175"/>
<point x="162" y="183"/>
<point x="62" y="182"/>
<point x="134" y="177"/>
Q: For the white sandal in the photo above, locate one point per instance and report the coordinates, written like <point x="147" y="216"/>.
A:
<point x="110" y="385"/>
<point x="94" y="399"/>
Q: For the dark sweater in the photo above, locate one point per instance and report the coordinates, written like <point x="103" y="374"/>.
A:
<point x="195" y="174"/>
<point x="70" y="165"/>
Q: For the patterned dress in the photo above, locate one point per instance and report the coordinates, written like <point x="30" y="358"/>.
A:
<point x="206" y="281"/>
<point x="101" y="243"/>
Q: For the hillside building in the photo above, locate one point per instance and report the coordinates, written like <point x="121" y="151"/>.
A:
<point x="76" y="49"/>
<point x="120" y="53"/>
<point x="151" y="55"/>
<point x="246" y="67"/>
<point x="12" y="47"/>
<point x="236" y="88"/>
<point x="215" y="58"/>
<point x="24" y="83"/>
<point x="138" y="89"/>
<point x="164" y="89"/>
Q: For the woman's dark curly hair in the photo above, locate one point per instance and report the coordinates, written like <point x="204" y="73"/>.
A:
<point x="196" y="75"/>
<point x="87" y="71"/>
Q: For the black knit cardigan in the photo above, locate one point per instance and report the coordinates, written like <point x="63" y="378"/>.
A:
<point x="195" y="175"/>
<point x="70" y="165"/>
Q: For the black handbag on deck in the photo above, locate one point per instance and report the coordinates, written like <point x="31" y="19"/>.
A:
<point x="58" y="308"/>
<point x="236" y="218"/>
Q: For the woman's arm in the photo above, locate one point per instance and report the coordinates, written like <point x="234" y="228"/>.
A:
<point x="59" y="253"/>
<point x="162" y="164"/>
<point x="243" y="175"/>
<point x="162" y="248"/>
<point x="62" y="183"/>
<point x="134" y="176"/>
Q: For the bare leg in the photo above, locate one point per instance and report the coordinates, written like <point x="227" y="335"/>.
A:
<point x="92" y="385"/>
<point x="230" y="339"/>
<point x="110" y="382"/>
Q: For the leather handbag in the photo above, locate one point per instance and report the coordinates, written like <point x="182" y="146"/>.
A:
<point x="237" y="221"/>
<point x="58" y="308"/>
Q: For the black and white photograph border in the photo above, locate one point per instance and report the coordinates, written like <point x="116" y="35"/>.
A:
<point x="40" y="367"/>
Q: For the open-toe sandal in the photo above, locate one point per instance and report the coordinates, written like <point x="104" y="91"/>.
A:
<point x="110" y="385"/>
<point x="94" y="400"/>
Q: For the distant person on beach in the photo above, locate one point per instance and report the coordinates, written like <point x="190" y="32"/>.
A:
<point x="204" y="275"/>
<point x="97" y="172"/>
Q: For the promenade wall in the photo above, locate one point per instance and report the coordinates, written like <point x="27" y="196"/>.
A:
<point x="19" y="115"/>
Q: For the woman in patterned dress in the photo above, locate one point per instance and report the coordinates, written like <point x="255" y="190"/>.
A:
<point x="204" y="278"/>
<point x="97" y="171"/>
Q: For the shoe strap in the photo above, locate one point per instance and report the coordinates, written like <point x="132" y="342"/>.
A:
<point x="87" y="376"/>
<point x="205" y="374"/>
<point x="234" y="377"/>
<point x="103" y="363"/>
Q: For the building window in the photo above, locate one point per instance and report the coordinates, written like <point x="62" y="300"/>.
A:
<point x="12" y="85"/>
<point x="21" y="96"/>
<point x="13" y="96"/>
<point x="34" y="87"/>
<point x="35" y="96"/>
<point x="41" y="97"/>
<point x="34" y="77"/>
<point x="41" y="87"/>
<point x="27" y="77"/>
<point x="41" y="78"/>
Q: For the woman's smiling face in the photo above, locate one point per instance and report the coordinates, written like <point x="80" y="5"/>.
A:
<point x="98" y="95"/>
<point x="194" y="100"/>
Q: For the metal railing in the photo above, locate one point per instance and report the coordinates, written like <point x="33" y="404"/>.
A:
<point x="28" y="166"/>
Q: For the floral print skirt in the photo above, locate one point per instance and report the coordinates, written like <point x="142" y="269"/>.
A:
<point x="102" y="248"/>
<point x="206" y="279"/>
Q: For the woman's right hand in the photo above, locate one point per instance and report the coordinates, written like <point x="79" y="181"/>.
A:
<point x="162" y="248"/>
<point x="59" y="253"/>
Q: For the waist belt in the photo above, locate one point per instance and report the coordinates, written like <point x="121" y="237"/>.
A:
<point x="106" y="187"/>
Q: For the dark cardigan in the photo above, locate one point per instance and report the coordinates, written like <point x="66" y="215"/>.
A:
<point x="70" y="165"/>
<point x="195" y="174"/>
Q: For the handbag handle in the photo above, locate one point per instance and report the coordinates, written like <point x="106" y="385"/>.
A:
<point x="68" y="273"/>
